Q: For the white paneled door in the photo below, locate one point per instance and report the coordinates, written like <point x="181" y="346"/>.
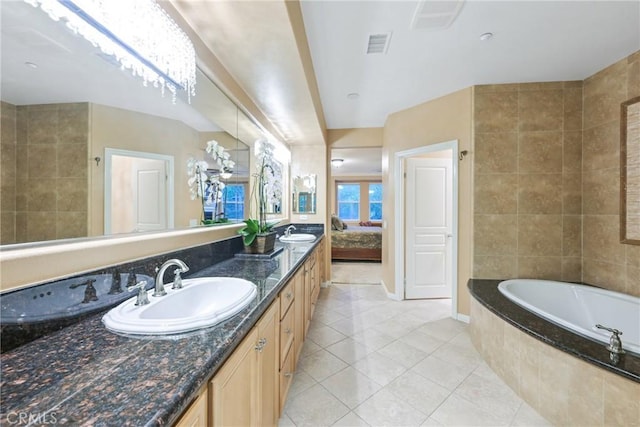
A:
<point x="150" y="194"/>
<point x="429" y="225"/>
<point x="138" y="192"/>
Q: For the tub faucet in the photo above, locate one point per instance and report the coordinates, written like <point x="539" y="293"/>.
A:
<point x="90" y="293"/>
<point x="182" y="268"/>
<point x="287" y="231"/>
<point x="615" y="344"/>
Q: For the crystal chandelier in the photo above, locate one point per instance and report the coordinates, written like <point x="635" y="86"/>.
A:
<point x="138" y="33"/>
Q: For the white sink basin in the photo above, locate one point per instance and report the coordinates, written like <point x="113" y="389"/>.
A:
<point x="201" y="303"/>
<point x="299" y="237"/>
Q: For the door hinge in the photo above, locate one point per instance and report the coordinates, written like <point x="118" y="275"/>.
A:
<point x="404" y="175"/>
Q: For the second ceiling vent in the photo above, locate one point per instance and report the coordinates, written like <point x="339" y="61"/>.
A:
<point x="435" y="14"/>
<point x="378" y="43"/>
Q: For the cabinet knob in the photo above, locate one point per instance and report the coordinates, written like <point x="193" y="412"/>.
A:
<point x="289" y="295"/>
<point x="288" y="331"/>
<point x="288" y="374"/>
<point x="262" y="342"/>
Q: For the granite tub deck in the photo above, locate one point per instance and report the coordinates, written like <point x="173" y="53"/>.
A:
<point x="486" y="292"/>
<point x="86" y="375"/>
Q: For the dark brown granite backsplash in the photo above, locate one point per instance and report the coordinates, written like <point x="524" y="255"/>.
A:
<point x="18" y="328"/>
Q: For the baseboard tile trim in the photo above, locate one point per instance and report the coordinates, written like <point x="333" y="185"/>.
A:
<point x="463" y="318"/>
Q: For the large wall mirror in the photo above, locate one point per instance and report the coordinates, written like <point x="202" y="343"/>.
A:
<point x="64" y="103"/>
<point x="630" y="172"/>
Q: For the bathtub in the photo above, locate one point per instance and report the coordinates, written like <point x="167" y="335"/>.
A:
<point x="579" y="308"/>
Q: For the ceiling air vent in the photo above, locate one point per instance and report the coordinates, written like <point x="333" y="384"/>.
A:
<point x="378" y="43"/>
<point x="435" y="14"/>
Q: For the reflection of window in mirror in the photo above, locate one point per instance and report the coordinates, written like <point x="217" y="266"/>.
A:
<point x="630" y="172"/>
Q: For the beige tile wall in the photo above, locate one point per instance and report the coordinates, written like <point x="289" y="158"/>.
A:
<point x="607" y="262"/>
<point x="8" y="174"/>
<point x="527" y="181"/>
<point x="562" y="388"/>
<point x="49" y="168"/>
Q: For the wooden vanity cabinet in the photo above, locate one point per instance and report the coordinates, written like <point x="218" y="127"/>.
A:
<point x="197" y="413"/>
<point x="250" y="389"/>
<point x="312" y="287"/>
<point x="243" y="392"/>
<point x="287" y="338"/>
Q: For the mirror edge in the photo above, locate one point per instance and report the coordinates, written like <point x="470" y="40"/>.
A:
<point x="624" y="106"/>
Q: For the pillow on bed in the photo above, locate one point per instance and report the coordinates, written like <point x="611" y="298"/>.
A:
<point x="336" y="223"/>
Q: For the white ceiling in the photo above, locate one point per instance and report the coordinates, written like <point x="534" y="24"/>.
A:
<point x="357" y="161"/>
<point x="534" y="41"/>
<point x="277" y="60"/>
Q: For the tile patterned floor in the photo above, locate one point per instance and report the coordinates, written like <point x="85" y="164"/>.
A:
<point x="355" y="272"/>
<point x="371" y="361"/>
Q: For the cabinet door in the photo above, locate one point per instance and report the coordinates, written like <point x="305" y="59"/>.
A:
<point x="298" y="306"/>
<point x="287" y="334"/>
<point x="307" y="295"/>
<point x="233" y="389"/>
<point x="269" y="366"/>
<point x="196" y="415"/>
<point x="321" y="262"/>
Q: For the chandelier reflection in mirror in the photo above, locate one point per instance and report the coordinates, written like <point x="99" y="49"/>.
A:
<point x="138" y="33"/>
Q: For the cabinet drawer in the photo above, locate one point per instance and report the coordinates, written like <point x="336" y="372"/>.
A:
<point x="286" y="298"/>
<point x="286" y="375"/>
<point x="286" y="334"/>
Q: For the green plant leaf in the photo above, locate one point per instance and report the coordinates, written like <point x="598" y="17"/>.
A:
<point x="270" y="224"/>
<point x="248" y="239"/>
<point x="250" y="231"/>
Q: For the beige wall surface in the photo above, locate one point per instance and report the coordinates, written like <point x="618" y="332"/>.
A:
<point x="127" y="130"/>
<point x="527" y="182"/>
<point x="353" y="138"/>
<point x="305" y="160"/>
<point x="441" y="120"/>
<point x="606" y="261"/>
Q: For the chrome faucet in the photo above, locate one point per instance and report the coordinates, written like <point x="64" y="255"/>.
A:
<point x="287" y="231"/>
<point x="615" y="344"/>
<point x="182" y="268"/>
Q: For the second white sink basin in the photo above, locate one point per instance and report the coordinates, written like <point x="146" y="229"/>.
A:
<point x="201" y="303"/>
<point x="298" y="237"/>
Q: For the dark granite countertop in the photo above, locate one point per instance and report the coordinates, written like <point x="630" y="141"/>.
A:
<point x="86" y="375"/>
<point x="487" y="293"/>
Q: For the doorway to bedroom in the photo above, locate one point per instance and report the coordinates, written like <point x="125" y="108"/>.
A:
<point x="356" y="207"/>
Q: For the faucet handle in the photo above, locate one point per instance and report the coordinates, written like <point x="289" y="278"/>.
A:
<point x="90" y="293"/>
<point x="142" y="298"/>
<point x="177" y="280"/>
<point x="615" y="344"/>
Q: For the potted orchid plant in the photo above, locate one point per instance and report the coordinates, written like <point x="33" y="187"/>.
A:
<point x="208" y="187"/>
<point x="257" y="234"/>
